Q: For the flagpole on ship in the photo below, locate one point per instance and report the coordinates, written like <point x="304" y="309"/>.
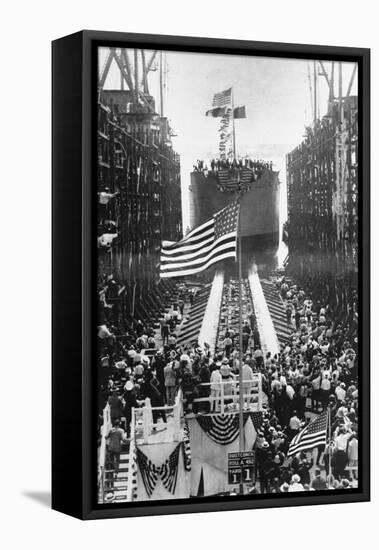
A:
<point x="234" y="129"/>
<point x="240" y="358"/>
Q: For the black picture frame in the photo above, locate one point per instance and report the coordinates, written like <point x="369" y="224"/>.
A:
<point x="74" y="257"/>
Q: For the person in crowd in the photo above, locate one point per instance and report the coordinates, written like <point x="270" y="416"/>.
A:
<point x="116" y="406"/>
<point x="295" y="485"/>
<point x="170" y="382"/>
<point x="318" y="483"/>
<point x="115" y="438"/>
<point x="130" y="402"/>
<point x="316" y="369"/>
<point x="215" y="381"/>
<point x="352" y="455"/>
<point x="151" y="390"/>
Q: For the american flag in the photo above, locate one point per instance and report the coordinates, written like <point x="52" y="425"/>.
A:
<point x="311" y="436"/>
<point x="148" y="472"/>
<point x="221" y="104"/>
<point x="167" y="472"/>
<point x="221" y="99"/>
<point x="209" y="243"/>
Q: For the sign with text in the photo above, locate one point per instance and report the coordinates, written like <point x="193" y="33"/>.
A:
<point x="241" y="467"/>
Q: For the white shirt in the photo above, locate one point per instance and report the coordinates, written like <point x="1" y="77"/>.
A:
<point x="103" y="332"/>
<point x="290" y="391"/>
<point x="216" y="380"/>
<point x="106" y="239"/>
<point x="325" y="384"/>
<point x="340" y="393"/>
<point x="104" y="197"/>
<point x="294" y="423"/>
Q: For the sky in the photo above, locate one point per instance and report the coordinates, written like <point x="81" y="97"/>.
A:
<point x="275" y="91"/>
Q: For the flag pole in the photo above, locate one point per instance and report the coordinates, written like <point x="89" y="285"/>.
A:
<point x="241" y="389"/>
<point x="330" y="447"/>
<point x="234" y="128"/>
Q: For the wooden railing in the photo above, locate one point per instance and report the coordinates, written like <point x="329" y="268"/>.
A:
<point x="147" y="417"/>
<point x="252" y="393"/>
<point x="104" y="431"/>
<point x="132" y="457"/>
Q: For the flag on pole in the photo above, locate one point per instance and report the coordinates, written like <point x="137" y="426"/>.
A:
<point x="239" y="112"/>
<point x="217" y="112"/>
<point x="205" y="245"/>
<point x="221" y="99"/>
<point x="311" y="436"/>
<point x="220" y="104"/>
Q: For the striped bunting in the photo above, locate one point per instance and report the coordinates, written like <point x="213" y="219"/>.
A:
<point x="257" y="419"/>
<point x="167" y="472"/>
<point x="186" y="447"/>
<point x="205" y="245"/>
<point x="221" y="428"/>
<point x="311" y="436"/>
<point x="246" y="176"/>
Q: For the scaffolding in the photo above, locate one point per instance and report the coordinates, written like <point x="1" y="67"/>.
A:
<point x="322" y="187"/>
<point x="138" y="167"/>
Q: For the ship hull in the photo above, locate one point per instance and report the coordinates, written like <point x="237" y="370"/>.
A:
<point x="259" y="207"/>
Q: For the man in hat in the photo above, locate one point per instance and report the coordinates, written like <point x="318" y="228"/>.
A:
<point x="158" y="365"/>
<point x="169" y="373"/>
<point x="116" y="406"/>
<point x="216" y="380"/>
<point x="130" y="401"/>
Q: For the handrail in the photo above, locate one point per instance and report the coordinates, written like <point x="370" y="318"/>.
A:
<point x="104" y="430"/>
<point x="251" y="389"/>
<point x="147" y="416"/>
<point x="132" y="459"/>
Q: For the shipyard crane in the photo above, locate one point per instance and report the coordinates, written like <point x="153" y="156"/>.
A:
<point x="319" y="69"/>
<point x="134" y="73"/>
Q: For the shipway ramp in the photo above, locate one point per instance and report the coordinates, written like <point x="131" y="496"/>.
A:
<point x="277" y="310"/>
<point x="190" y="329"/>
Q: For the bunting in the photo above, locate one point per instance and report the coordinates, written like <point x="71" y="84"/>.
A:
<point x="224" y="428"/>
<point x="186" y="447"/>
<point x="167" y="472"/>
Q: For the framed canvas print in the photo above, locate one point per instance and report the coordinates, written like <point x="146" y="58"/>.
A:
<point x="210" y="274"/>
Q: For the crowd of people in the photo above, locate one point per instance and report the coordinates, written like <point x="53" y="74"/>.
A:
<point x="317" y="369"/>
<point x="257" y="166"/>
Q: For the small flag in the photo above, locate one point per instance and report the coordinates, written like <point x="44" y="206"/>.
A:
<point x="220" y="104"/>
<point x="311" y="436"/>
<point x="216" y="112"/>
<point x="205" y="245"/>
<point x="239" y="112"/>
<point x="167" y="472"/>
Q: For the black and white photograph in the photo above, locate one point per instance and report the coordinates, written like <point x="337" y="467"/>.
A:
<point x="227" y="352"/>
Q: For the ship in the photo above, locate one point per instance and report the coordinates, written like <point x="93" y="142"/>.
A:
<point x="212" y="190"/>
<point x="229" y="178"/>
